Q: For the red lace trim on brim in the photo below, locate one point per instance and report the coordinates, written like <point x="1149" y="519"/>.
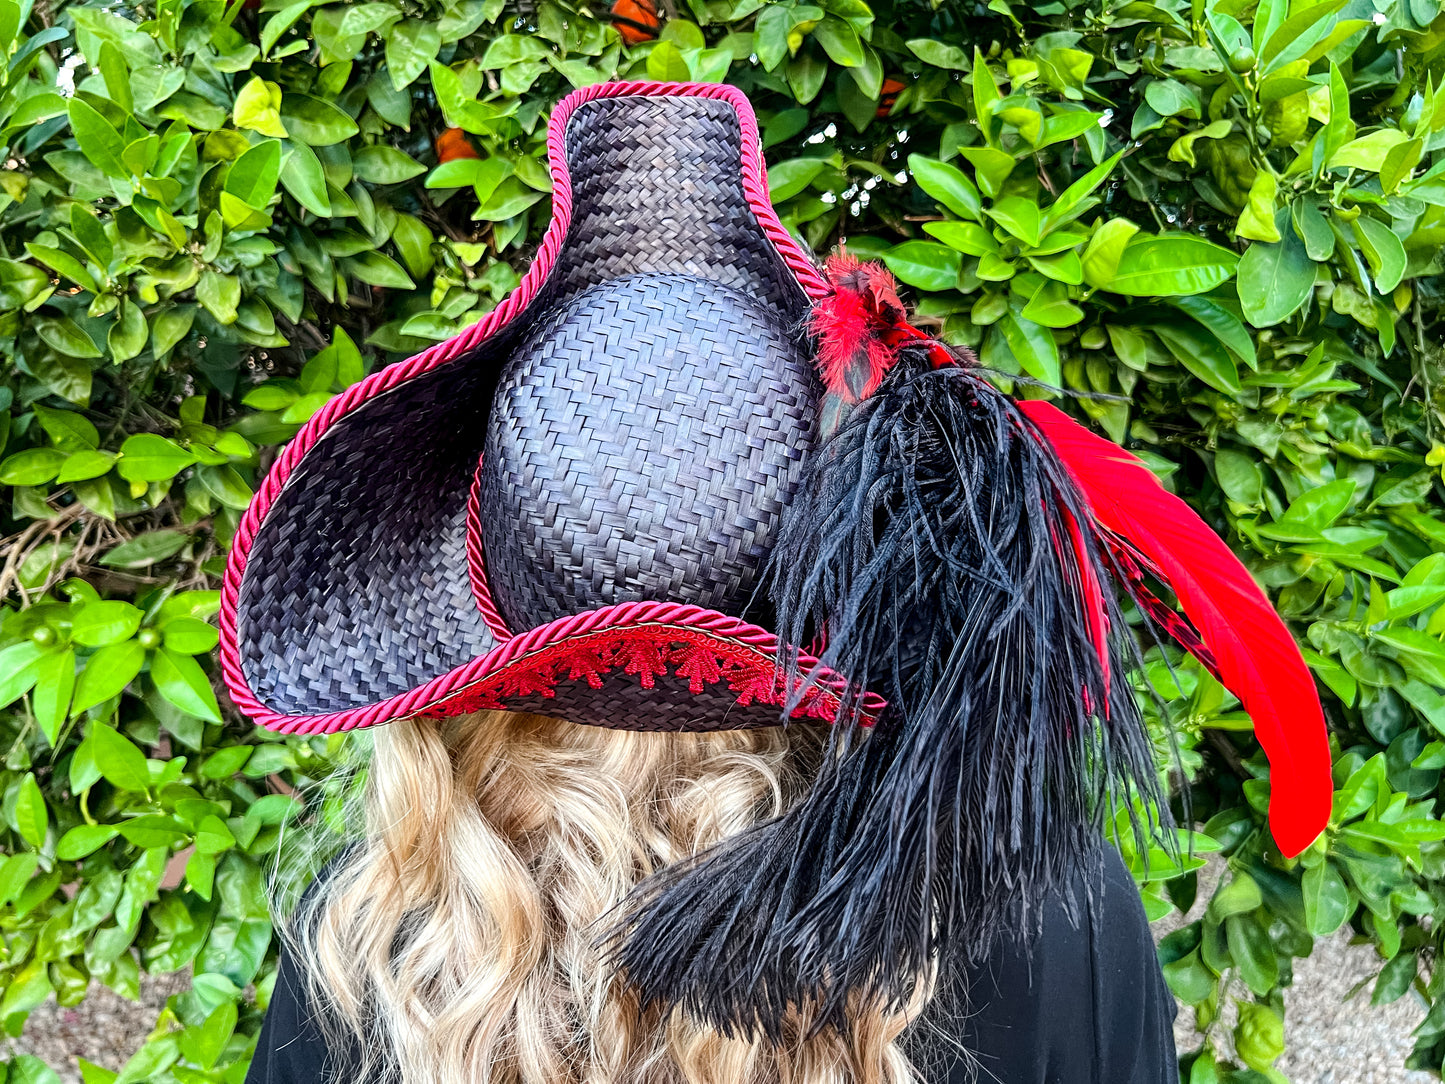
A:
<point x="649" y="652"/>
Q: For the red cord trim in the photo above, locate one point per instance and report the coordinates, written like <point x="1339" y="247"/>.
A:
<point x="477" y="562"/>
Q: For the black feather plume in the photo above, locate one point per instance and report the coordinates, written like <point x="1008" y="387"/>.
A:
<point x="933" y="541"/>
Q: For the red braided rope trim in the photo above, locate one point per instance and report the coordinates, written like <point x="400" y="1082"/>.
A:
<point x="755" y="187"/>
<point x="477" y="562"/>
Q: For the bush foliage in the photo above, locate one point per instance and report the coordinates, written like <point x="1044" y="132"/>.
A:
<point x="1222" y="219"/>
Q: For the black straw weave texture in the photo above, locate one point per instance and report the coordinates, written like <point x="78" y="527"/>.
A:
<point x="357" y="587"/>
<point x="642" y="445"/>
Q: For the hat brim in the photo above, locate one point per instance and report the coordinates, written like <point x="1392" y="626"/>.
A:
<point x="642" y="665"/>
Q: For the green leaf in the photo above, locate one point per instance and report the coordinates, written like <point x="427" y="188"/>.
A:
<point x="281" y="22"/>
<point x="806" y="73"/>
<point x="1383" y="250"/>
<point x="219" y="294"/>
<point x="127" y="336"/>
<point x="98" y="140"/>
<point x="32" y="818"/>
<point x="228" y="487"/>
<point x="1033" y="346"/>
<point x="1275" y="279"/>
<point x="1067" y="126"/>
<point x="1239" y="476"/>
<point x="1294" y="36"/>
<point x="19" y="669"/>
<point x="1226" y="327"/>
<point x="1409" y="601"/>
<point x="191" y="636"/>
<point x="67" y="337"/>
<point x="119" y="761"/>
<point x="32" y="467"/>
<point x="1367" y="152"/>
<point x="15" y="872"/>
<point x="1051" y="307"/>
<point x="169" y="327"/>
<point x="946" y="183"/>
<point x="147" y="457"/>
<point x="464" y="18"/>
<point x="1395" y="978"/>
<point x="1257" y="221"/>
<point x="1313" y="230"/>
<point x="1189" y="979"/>
<point x="366" y="18"/>
<point x="252" y="177"/>
<point x="28" y="1069"/>
<point x="380" y="164"/>
<point x="205" y="1044"/>
<point x="1170" y="265"/>
<point x="20" y="283"/>
<point x="181" y="680"/>
<point x="213" y="837"/>
<point x="1326" y="899"/>
<point x="1182" y="150"/>
<point x="106" y="673"/>
<point x="1202" y="354"/>
<point x="938" y="55"/>
<point x="315" y="122"/>
<point x="925" y="264"/>
<point x="966" y="237"/>
<point x="377" y="270"/>
<point x="302" y="176"/>
<point x="258" y="107"/>
<point x="1075" y="199"/>
<point x="91" y="235"/>
<point x="992" y="167"/>
<point x="84" y="840"/>
<point x="1170" y="98"/>
<point x="226" y="761"/>
<point x="787" y="179"/>
<point x="99" y="624"/>
<point x="54" y="685"/>
<point x="152" y="830"/>
<point x="1312" y="512"/>
<point x="413" y="242"/>
<point x="1339" y="129"/>
<point x="1239" y="896"/>
<point x="410" y="47"/>
<point x="1019" y="217"/>
<point x="1253" y="953"/>
<point x="84" y="466"/>
<point x="69" y="430"/>
<point x="840" y="42"/>
<point x="64" y="263"/>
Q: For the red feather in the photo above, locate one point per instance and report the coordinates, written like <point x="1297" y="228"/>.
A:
<point x="1095" y="615"/>
<point x="852" y="325"/>
<point x="1255" y="655"/>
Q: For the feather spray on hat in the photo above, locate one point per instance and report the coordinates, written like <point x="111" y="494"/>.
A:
<point x="952" y="544"/>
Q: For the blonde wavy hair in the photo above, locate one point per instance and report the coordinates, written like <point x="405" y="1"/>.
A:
<point x="457" y="943"/>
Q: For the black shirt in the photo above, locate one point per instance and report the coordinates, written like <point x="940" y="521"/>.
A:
<point x="1086" y="1005"/>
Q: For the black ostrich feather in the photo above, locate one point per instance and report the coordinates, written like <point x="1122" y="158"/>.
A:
<point x="934" y="542"/>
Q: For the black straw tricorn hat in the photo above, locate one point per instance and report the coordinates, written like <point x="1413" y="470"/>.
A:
<point x="676" y="454"/>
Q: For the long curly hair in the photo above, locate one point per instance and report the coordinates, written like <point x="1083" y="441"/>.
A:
<point x="457" y="942"/>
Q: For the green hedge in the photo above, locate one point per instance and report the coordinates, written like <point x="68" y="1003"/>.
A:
<point x="1221" y="220"/>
